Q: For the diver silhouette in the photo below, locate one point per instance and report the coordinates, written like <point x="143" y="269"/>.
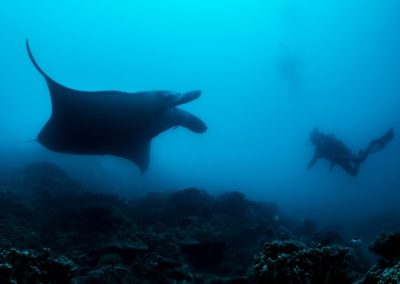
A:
<point x="334" y="150"/>
<point x="289" y="66"/>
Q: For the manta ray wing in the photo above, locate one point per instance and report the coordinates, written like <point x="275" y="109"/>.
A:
<point x="140" y="155"/>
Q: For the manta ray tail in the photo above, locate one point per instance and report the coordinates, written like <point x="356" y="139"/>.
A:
<point x="28" y="141"/>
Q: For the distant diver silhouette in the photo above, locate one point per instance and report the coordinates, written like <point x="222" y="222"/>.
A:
<point x="289" y="66"/>
<point x="332" y="149"/>
<point x="112" y="122"/>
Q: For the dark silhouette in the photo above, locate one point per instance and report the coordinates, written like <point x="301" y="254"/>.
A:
<point x="332" y="149"/>
<point x="112" y="122"/>
<point x="289" y="66"/>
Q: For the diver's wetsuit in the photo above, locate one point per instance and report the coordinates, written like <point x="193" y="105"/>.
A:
<point x="332" y="149"/>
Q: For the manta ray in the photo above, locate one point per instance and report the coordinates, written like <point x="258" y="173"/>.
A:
<point x="114" y="123"/>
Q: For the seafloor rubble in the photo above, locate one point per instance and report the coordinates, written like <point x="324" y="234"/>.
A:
<point x="52" y="230"/>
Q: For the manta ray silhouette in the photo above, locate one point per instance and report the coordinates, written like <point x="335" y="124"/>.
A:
<point x="112" y="122"/>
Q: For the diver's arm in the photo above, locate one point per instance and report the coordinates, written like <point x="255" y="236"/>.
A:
<point x="314" y="160"/>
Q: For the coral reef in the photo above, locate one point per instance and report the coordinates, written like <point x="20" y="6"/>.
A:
<point x="293" y="262"/>
<point x="53" y="230"/>
<point x="185" y="236"/>
<point x="27" y="266"/>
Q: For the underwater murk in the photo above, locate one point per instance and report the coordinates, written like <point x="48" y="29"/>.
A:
<point x="217" y="142"/>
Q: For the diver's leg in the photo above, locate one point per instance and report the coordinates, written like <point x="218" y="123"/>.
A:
<point x="362" y="156"/>
<point x="349" y="168"/>
<point x="374" y="146"/>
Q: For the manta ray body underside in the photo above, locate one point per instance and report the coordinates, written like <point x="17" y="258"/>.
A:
<point x="112" y="122"/>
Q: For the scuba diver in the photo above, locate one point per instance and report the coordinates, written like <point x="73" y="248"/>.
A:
<point x="332" y="149"/>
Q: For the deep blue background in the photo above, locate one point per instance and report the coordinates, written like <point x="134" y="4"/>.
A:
<point x="270" y="71"/>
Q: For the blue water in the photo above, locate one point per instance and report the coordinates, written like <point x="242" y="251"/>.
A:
<point x="270" y="72"/>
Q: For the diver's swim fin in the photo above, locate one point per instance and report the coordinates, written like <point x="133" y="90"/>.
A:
<point x="378" y="144"/>
<point x="388" y="136"/>
<point x="385" y="138"/>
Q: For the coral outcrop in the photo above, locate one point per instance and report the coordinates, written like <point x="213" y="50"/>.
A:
<point x="387" y="270"/>
<point x="27" y="266"/>
<point x="293" y="262"/>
